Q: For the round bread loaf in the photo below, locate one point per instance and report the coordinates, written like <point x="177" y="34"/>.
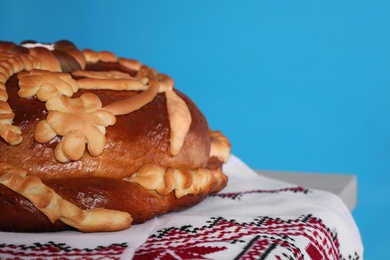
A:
<point x="93" y="142"/>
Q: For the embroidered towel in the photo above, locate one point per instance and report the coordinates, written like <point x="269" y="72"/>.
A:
<point x="254" y="217"/>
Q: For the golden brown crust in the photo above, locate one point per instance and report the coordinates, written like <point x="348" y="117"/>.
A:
<point x="81" y="117"/>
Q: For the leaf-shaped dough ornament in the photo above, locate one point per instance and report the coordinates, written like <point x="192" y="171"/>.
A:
<point x="179" y="120"/>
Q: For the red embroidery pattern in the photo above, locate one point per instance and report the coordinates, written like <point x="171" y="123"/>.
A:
<point x="238" y="195"/>
<point x="260" y="238"/>
<point x="60" y="251"/>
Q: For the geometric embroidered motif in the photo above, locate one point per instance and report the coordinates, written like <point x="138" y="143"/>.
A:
<point x="259" y="238"/>
<point x="51" y="250"/>
<point x="238" y="195"/>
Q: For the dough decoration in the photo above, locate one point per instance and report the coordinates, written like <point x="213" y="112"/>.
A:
<point x="182" y="182"/>
<point x="180" y="120"/>
<point x="56" y="208"/>
<point x="46" y="84"/>
<point x="220" y="146"/>
<point x="80" y="122"/>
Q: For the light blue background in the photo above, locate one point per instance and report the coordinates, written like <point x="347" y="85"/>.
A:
<point x="295" y="85"/>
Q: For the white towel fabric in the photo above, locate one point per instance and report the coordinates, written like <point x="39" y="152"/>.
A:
<point x="254" y="217"/>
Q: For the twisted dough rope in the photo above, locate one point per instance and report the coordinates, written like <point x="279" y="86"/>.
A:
<point x="55" y="208"/>
<point x="9" y="65"/>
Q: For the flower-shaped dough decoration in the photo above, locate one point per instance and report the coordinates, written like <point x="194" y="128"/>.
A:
<point x="46" y="84"/>
<point x="80" y="121"/>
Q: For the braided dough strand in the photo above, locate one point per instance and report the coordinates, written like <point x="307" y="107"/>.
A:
<point x="9" y="65"/>
<point x="54" y="207"/>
